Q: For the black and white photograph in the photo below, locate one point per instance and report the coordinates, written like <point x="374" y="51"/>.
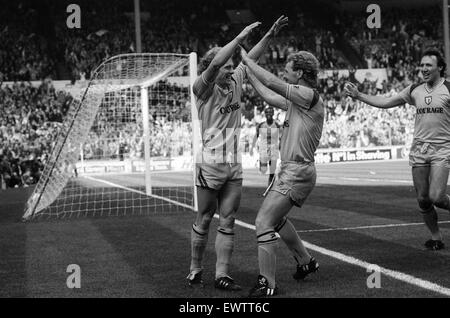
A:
<point x="224" y="155"/>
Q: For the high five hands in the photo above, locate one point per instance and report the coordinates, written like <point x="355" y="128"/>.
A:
<point x="244" y="55"/>
<point x="248" y="29"/>
<point x="278" y="25"/>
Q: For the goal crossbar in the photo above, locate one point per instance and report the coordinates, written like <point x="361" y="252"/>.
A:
<point x="124" y="72"/>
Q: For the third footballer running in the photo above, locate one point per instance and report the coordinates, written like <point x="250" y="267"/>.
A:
<point x="429" y="156"/>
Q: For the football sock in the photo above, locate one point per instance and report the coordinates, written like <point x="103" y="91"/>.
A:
<point x="430" y="218"/>
<point x="291" y="238"/>
<point x="267" y="255"/>
<point x="224" y="250"/>
<point x="199" y="239"/>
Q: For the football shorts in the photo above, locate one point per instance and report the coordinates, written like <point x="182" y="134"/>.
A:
<point x="295" y="179"/>
<point x="215" y="175"/>
<point x="429" y="154"/>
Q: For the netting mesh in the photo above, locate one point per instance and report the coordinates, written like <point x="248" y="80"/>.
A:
<point x="98" y="163"/>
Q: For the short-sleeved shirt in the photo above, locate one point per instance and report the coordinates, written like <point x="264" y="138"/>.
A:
<point x="432" y="122"/>
<point x="219" y="110"/>
<point x="303" y="126"/>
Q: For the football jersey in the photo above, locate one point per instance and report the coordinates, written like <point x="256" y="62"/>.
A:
<point x="303" y="126"/>
<point x="219" y="111"/>
<point x="432" y="123"/>
<point x="269" y="137"/>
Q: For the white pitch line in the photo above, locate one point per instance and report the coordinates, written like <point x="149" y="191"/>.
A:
<point x="139" y="192"/>
<point x="344" y="258"/>
<point x="367" y="179"/>
<point x="365" y="227"/>
<point x="368" y="266"/>
<point x="371" y="162"/>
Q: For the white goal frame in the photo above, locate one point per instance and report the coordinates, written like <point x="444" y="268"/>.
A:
<point x="195" y="130"/>
<point x="143" y="84"/>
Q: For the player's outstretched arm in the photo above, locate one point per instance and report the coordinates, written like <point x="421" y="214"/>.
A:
<point x="261" y="46"/>
<point x="224" y="54"/>
<point x="269" y="96"/>
<point x="377" y="101"/>
<point x="267" y="79"/>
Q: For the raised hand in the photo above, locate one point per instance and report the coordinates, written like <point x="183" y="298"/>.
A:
<point x="248" y="29"/>
<point x="244" y="55"/>
<point x="278" y="25"/>
<point x="351" y="90"/>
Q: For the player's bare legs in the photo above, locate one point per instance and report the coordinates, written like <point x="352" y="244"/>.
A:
<point x="438" y="187"/>
<point x="290" y="237"/>
<point x="207" y="204"/>
<point x="270" y="216"/>
<point x="421" y="179"/>
<point x="263" y="167"/>
<point x="272" y="168"/>
<point x="229" y="199"/>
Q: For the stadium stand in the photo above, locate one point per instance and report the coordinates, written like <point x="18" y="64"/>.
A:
<point x="30" y="115"/>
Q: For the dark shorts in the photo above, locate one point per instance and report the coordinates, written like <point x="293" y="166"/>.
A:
<point x="295" y="180"/>
<point x="424" y="154"/>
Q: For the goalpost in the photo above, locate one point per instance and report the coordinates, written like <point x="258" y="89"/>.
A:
<point x="127" y="146"/>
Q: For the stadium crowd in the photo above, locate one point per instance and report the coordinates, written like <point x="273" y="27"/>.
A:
<point x="31" y="115"/>
<point x="348" y="123"/>
<point x="30" y="119"/>
<point x="23" y="53"/>
<point x="117" y="130"/>
<point x="398" y="45"/>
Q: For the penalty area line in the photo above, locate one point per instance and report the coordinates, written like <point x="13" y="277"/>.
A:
<point x="363" y="162"/>
<point x="424" y="284"/>
<point x="366" y="179"/>
<point x="380" y="226"/>
<point x="140" y="192"/>
<point x="421" y="283"/>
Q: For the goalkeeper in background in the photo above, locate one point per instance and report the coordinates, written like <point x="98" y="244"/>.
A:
<point x="218" y="93"/>
<point x="268" y="133"/>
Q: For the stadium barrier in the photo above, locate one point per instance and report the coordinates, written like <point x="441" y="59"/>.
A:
<point x="361" y="154"/>
<point x="184" y="163"/>
<point x="99" y="167"/>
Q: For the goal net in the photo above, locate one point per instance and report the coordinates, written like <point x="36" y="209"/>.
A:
<point x="126" y="146"/>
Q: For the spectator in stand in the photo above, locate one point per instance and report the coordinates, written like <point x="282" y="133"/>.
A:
<point x="30" y="119"/>
<point x="31" y="116"/>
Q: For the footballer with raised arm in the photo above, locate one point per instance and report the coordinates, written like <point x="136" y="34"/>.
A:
<point x="429" y="155"/>
<point x="218" y="93"/>
<point x="296" y="178"/>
